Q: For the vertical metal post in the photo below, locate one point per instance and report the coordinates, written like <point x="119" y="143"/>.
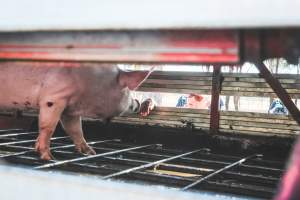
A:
<point x="215" y="96"/>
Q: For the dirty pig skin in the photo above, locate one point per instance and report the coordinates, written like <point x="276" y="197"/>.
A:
<point x="67" y="92"/>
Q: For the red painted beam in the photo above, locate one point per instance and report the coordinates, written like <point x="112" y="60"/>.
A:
<point x="148" y="57"/>
<point x="280" y="91"/>
<point x="190" y="46"/>
<point x="215" y="96"/>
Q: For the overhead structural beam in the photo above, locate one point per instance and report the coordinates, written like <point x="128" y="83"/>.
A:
<point x="215" y="97"/>
<point x="148" y="46"/>
<point x="280" y="91"/>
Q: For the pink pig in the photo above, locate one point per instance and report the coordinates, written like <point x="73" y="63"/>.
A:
<point x="289" y="188"/>
<point x="65" y="92"/>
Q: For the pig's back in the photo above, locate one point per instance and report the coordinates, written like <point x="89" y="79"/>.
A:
<point x="20" y="84"/>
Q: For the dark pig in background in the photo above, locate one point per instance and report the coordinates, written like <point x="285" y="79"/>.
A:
<point x="289" y="188"/>
<point x="66" y="92"/>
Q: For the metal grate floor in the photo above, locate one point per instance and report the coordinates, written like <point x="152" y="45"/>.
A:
<point x="199" y="169"/>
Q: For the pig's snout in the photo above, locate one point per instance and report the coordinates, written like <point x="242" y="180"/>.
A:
<point x="134" y="107"/>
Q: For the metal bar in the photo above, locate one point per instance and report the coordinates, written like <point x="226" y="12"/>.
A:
<point x="91" y="156"/>
<point x="19" y="147"/>
<point x="52" y="148"/>
<point x="149" y="164"/>
<point x="219" y="171"/>
<point x="211" y="162"/>
<point x="263" y="180"/>
<point x="280" y="91"/>
<point x="180" y="46"/>
<point x="215" y="95"/>
<point x="17" y="134"/>
<point x="15" y="154"/>
<point x="8" y="130"/>
<point x="27" y="141"/>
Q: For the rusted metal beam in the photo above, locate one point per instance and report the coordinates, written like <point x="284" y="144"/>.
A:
<point x="280" y="91"/>
<point x="215" y="97"/>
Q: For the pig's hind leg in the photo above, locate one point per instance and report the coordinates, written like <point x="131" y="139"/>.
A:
<point x="73" y="127"/>
<point x="49" y="115"/>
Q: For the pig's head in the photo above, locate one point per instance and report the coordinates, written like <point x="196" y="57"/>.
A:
<point x="128" y="81"/>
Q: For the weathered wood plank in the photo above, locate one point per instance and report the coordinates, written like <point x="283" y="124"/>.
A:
<point x="239" y="84"/>
<point x="171" y="90"/>
<point x="260" y="120"/>
<point x="254" y="133"/>
<point x="209" y="74"/>
<point x="255" y="94"/>
<point x="170" y="119"/>
<point x="178" y="82"/>
<point x="188" y="84"/>
<point x="208" y="92"/>
<point x="255" y="115"/>
<point x="260" y="125"/>
<point x="253" y="89"/>
<point x="176" y="86"/>
<point x="257" y="129"/>
<point x="207" y="87"/>
<point x="260" y="80"/>
<point x="182" y="110"/>
<point x="254" y="122"/>
<point x="162" y="123"/>
<point x="194" y="117"/>
<point x="256" y="75"/>
<point x="204" y="122"/>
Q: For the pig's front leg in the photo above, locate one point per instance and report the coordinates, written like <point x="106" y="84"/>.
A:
<point x="50" y="112"/>
<point x="72" y="126"/>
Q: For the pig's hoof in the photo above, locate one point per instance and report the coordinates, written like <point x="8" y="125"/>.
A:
<point x="44" y="152"/>
<point x="85" y="149"/>
<point x="46" y="156"/>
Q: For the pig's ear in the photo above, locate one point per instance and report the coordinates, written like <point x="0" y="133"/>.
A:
<point x="134" y="79"/>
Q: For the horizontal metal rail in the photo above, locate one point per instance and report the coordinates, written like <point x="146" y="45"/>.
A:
<point x="220" y="170"/>
<point x="91" y="157"/>
<point x="31" y="149"/>
<point x="261" y="180"/>
<point x="27" y="141"/>
<point x="9" y="130"/>
<point x="17" y="134"/>
<point x="213" y="162"/>
<point x="149" y="164"/>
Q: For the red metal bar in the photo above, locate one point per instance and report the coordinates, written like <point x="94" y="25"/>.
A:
<point x="178" y="46"/>
<point x="215" y="95"/>
<point x="280" y="91"/>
